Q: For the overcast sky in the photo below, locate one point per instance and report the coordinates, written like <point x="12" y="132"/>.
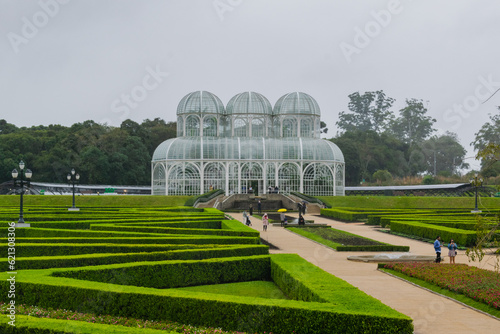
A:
<point x="63" y="62"/>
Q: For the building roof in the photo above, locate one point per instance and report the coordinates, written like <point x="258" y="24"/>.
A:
<point x="249" y="103"/>
<point x="239" y="148"/>
<point x="297" y="103"/>
<point x="200" y="102"/>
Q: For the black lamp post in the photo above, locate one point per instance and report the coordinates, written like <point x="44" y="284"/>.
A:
<point x="20" y="179"/>
<point x="476" y="182"/>
<point x="73" y="178"/>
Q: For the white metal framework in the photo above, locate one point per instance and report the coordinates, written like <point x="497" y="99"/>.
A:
<point x="248" y="147"/>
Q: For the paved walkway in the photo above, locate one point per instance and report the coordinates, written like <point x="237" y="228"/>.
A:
<point x="431" y="313"/>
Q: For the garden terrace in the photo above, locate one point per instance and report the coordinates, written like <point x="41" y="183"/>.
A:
<point x="136" y="263"/>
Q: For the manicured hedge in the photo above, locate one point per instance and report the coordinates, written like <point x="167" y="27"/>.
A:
<point x="381" y="248"/>
<point x="173" y="230"/>
<point x="213" y="251"/>
<point x="175" y="274"/>
<point x="175" y="240"/>
<point x="430" y="231"/>
<point x="348" y="310"/>
<point x="30" y="250"/>
<point x="33" y="325"/>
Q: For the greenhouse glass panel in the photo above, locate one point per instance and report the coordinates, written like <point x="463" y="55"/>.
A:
<point x="306" y="128"/>
<point x="252" y="180"/>
<point x="214" y="176"/>
<point x="180" y="126"/>
<point x="318" y="180"/>
<point x="290" y="127"/>
<point x="258" y="127"/>
<point x="270" y="176"/>
<point x="192" y="126"/>
<point x="240" y="127"/>
<point x="159" y="179"/>
<point x="289" y="178"/>
<point x="233" y="173"/>
<point x="210" y="126"/>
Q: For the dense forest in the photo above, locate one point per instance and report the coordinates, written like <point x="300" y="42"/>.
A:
<point x="99" y="153"/>
<point x="378" y="146"/>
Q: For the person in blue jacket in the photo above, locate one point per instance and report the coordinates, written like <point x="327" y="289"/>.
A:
<point x="437" y="248"/>
<point x="452" y="251"/>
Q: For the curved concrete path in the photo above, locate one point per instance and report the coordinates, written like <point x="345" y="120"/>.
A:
<point x="430" y="312"/>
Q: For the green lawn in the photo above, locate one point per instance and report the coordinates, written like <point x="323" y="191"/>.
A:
<point x="344" y="241"/>
<point x="333" y="238"/>
<point x="95" y="201"/>
<point x="261" y="289"/>
<point x="406" y="202"/>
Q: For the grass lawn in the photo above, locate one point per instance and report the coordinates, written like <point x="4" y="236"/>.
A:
<point x="261" y="289"/>
<point x="333" y="238"/>
<point x="406" y="202"/>
<point x="95" y="201"/>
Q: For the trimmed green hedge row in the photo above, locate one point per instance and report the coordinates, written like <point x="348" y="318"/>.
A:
<point x="214" y="251"/>
<point x="33" y="325"/>
<point x="381" y="248"/>
<point x="31" y="250"/>
<point x="175" y="274"/>
<point x="199" y="240"/>
<point x="430" y="231"/>
<point x="173" y="230"/>
<point x="348" y="310"/>
<point x="194" y="222"/>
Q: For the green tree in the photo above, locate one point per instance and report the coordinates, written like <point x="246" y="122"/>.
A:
<point x="444" y="153"/>
<point x="6" y="128"/>
<point x="382" y="176"/>
<point x="367" y="112"/>
<point x="412" y="126"/>
<point x="156" y="131"/>
<point x="365" y="152"/>
<point x="486" y="139"/>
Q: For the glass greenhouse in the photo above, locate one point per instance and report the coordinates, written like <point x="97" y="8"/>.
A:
<point x="248" y="147"/>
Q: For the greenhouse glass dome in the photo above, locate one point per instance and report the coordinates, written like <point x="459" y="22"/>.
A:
<point x="248" y="145"/>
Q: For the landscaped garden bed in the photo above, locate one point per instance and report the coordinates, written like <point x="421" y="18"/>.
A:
<point x="178" y="264"/>
<point x="476" y="287"/>
<point x="345" y="241"/>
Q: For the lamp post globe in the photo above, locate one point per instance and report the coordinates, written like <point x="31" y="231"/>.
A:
<point x="20" y="179"/>
<point x="476" y="182"/>
<point x="73" y="178"/>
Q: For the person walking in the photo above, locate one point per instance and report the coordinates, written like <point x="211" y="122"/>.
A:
<point x="437" y="248"/>
<point x="304" y="207"/>
<point x="259" y="207"/>
<point x="251" y="210"/>
<point x="245" y="215"/>
<point x="452" y="251"/>
<point x="282" y="218"/>
<point x="299" y="207"/>
<point x="301" y="220"/>
<point x="265" y="222"/>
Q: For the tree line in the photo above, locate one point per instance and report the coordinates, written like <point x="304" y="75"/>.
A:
<point x="101" y="154"/>
<point x="379" y="145"/>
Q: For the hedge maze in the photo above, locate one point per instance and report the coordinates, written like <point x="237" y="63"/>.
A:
<point x="457" y="224"/>
<point x="134" y="262"/>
